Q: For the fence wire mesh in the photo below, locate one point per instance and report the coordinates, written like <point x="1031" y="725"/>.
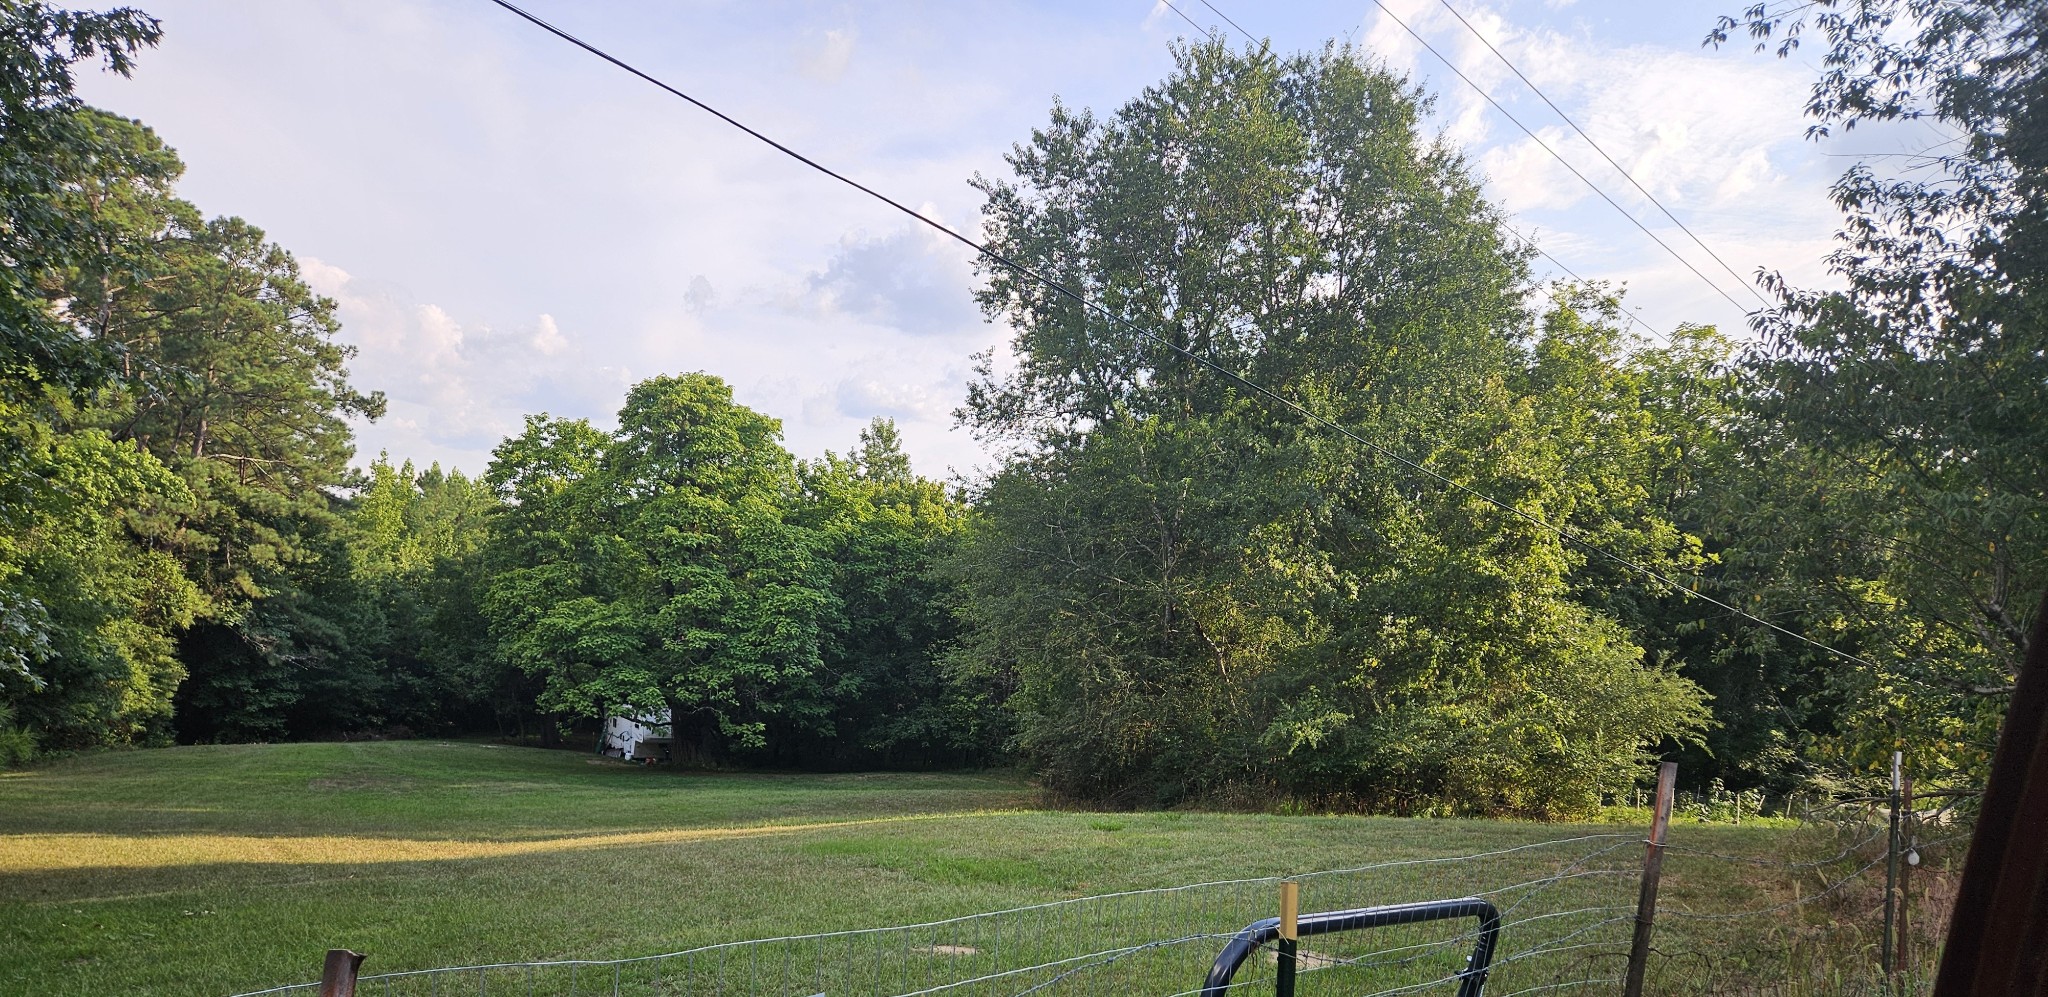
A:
<point x="1806" y="919"/>
<point x="1786" y="921"/>
<point x="1565" y="911"/>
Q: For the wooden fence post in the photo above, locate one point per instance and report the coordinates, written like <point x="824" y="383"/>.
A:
<point x="338" y="977"/>
<point x="1653" y="869"/>
<point x="1290" y="935"/>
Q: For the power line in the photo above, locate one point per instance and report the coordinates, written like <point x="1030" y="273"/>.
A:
<point x="1648" y="329"/>
<point x="1573" y="274"/>
<point x="1595" y="188"/>
<point x="1183" y="16"/>
<point x="1226" y="19"/>
<point x="1651" y="332"/>
<point x="1603" y="152"/>
<point x="1563" y="533"/>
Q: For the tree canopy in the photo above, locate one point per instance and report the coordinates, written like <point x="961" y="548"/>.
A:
<point x="1913" y="396"/>
<point x="1166" y="590"/>
<point x="1198" y="594"/>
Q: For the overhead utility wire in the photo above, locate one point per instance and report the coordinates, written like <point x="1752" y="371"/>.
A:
<point x="1226" y="19"/>
<point x="1652" y="333"/>
<point x="1617" y="166"/>
<point x="1595" y="188"/>
<point x="1603" y="153"/>
<point x="1562" y="533"/>
<point x="1648" y="329"/>
<point x="1574" y="275"/>
<point x="1184" y="16"/>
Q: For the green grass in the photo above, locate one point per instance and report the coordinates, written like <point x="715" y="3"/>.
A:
<point x="212" y="870"/>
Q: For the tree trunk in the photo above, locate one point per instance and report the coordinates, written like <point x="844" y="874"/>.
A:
<point x="682" y="733"/>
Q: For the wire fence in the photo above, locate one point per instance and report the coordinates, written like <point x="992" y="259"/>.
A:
<point x="1801" y="918"/>
<point x="1565" y="904"/>
<point x="1813" y="921"/>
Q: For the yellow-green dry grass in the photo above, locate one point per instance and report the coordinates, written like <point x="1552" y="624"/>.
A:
<point x="213" y="870"/>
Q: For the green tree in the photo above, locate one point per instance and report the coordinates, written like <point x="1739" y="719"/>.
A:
<point x="734" y="588"/>
<point x="547" y="574"/>
<point x="46" y="138"/>
<point x="90" y="619"/>
<point x="1917" y="396"/>
<point x="233" y="380"/>
<point x="1194" y="592"/>
<point x="414" y="539"/>
<point x="660" y="569"/>
<point x="255" y="420"/>
<point x="228" y="375"/>
<point x="43" y="140"/>
<point x="888" y="700"/>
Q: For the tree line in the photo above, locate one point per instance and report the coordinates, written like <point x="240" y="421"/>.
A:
<point x="1169" y="590"/>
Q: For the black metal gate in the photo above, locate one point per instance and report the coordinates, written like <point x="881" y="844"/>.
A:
<point x="1471" y="982"/>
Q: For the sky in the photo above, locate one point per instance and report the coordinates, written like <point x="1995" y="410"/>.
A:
<point x="511" y="226"/>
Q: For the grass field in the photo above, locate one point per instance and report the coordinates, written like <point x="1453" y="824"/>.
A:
<point x="213" y="870"/>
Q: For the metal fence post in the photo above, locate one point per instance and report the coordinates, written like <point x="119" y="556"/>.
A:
<point x="1891" y="874"/>
<point x="338" y="977"/>
<point x="1901" y="948"/>
<point x="1653" y="869"/>
<point x="1290" y="938"/>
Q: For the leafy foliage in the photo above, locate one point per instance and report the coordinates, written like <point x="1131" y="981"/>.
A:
<point x="1167" y="590"/>
<point x="885" y="698"/>
<point x="1911" y="400"/>
<point x="686" y="567"/>
<point x="174" y="406"/>
<point x="46" y="138"/>
<point x="1195" y="596"/>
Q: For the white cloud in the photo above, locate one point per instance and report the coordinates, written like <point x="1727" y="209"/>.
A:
<point x="455" y="390"/>
<point x="1717" y="140"/>
<point x="865" y="398"/>
<point x="1524" y="177"/>
<point x="1161" y="16"/>
<point x="547" y="337"/>
<point x="912" y="280"/>
<point x="700" y="295"/>
<point x="1751" y="172"/>
<point x="565" y="229"/>
<point x="826" y="58"/>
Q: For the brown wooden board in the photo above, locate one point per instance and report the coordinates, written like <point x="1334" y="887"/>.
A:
<point x="1998" y="936"/>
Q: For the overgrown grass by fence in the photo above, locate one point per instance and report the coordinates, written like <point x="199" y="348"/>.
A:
<point x="1807" y="924"/>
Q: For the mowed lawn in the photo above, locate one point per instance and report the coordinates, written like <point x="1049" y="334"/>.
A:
<point x="214" y="870"/>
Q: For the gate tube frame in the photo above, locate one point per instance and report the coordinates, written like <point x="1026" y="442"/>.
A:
<point x="1472" y="981"/>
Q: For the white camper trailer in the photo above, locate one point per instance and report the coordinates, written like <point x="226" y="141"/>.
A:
<point x="638" y="738"/>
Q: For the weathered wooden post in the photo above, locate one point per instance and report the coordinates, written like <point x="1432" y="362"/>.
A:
<point x="1653" y="868"/>
<point x="338" y="977"/>
<point x="1290" y="938"/>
